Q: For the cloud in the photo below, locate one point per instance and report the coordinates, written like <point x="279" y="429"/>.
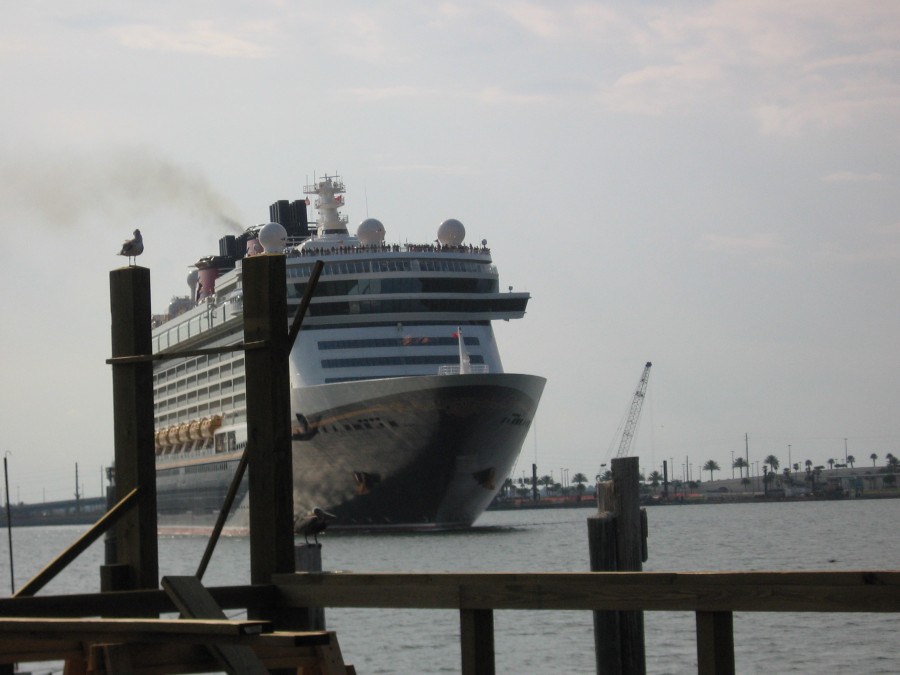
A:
<point x="797" y="67"/>
<point x="832" y="253"/>
<point x="854" y="177"/>
<point x="445" y="169"/>
<point x="765" y="246"/>
<point x="198" y="37"/>
<point x="489" y="94"/>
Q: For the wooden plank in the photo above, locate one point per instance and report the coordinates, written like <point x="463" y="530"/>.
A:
<point x="194" y="601"/>
<point x="24" y="649"/>
<point x="129" y="603"/>
<point x="715" y="643"/>
<point x="662" y="591"/>
<point x="477" y="641"/>
<point x="116" y="658"/>
<point x="184" y="658"/>
<point x="59" y="563"/>
<point x="96" y="629"/>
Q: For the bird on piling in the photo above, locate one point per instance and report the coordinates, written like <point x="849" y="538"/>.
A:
<point x="313" y="523"/>
<point x="133" y="247"/>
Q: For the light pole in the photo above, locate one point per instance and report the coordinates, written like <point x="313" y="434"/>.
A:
<point x="12" y="576"/>
<point x="732" y="465"/>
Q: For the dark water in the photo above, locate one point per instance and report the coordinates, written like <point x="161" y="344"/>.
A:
<point x="831" y="536"/>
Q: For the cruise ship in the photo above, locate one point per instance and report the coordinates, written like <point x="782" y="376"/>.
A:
<point x="402" y="415"/>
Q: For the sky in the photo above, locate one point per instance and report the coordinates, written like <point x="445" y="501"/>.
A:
<point x="708" y="185"/>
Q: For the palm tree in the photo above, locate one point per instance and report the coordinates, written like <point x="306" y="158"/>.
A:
<point x="850" y="460"/>
<point x="808" y="465"/>
<point x="739" y="464"/>
<point x="892" y="461"/>
<point x="546" y="481"/>
<point x="873" y="457"/>
<point x="830" y="463"/>
<point x="579" y="479"/>
<point x="655" y="479"/>
<point x="773" y="462"/>
<point x="711" y="466"/>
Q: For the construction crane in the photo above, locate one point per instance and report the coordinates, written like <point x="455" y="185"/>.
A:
<point x="634" y="413"/>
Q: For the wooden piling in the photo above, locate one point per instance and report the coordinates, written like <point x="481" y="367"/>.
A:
<point x="616" y="541"/>
<point x="308" y="558"/>
<point x="135" y="458"/>
<point x="268" y="418"/>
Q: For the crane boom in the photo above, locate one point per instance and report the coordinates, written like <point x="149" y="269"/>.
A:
<point x="634" y="413"/>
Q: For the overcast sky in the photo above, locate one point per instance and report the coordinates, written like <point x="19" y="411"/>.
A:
<point x="710" y="186"/>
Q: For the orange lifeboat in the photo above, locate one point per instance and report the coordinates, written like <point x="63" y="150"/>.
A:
<point x="184" y="434"/>
<point x="172" y="435"/>
<point x="194" y="430"/>
<point x="208" y="425"/>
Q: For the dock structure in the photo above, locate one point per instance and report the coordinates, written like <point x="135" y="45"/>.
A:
<point x="130" y="638"/>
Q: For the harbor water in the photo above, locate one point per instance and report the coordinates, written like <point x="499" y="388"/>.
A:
<point x="838" y="535"/>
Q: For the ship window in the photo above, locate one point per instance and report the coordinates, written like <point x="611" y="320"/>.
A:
<point x="405" y="341"/>
<point x="375" y="361"/>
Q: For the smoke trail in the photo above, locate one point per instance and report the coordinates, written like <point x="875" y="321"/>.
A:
<point x="68" y="188"/>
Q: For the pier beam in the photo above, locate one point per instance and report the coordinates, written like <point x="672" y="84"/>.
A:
<point x="136" y="552"/>
<point x="271" y="481"/>
<point x="617" y="542"/>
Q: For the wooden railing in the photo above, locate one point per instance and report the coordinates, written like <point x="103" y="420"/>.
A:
<point x="712" y="596"/>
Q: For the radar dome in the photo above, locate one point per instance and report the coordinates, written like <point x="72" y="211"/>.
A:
<point x="370" y="231"/>
<point x="273" y="238"/>
<point x="451" y="232"/>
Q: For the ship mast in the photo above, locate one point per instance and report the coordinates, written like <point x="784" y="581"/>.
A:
<point x="329" y="199"/>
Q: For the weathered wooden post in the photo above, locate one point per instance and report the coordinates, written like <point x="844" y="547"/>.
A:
<point x="133" y="562"/>
<point x="268" y="419"/>
<point x="616" y="537"/>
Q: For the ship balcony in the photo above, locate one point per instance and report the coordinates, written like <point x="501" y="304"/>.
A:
<point x="474" y="368"/>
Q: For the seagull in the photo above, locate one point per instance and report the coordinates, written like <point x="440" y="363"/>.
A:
<point x="312" y="523"/>
<point x="133" y="247"/>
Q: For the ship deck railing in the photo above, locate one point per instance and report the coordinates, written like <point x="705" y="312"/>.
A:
<point x="314" y="248"/>
<point x="479" y="368"/>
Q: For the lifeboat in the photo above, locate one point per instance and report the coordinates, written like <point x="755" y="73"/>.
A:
<point x="194" y="430"/>
<point x="208" y="425"/>
<point x="172" y="435"/>
<point x="184" y="433"/>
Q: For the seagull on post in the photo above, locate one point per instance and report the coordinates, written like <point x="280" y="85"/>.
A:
<point x="133" y="247"/>
<point x="313" y="523"/>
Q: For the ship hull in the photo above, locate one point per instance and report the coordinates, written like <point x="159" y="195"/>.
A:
<point x="409" y="452"/>
<point x="427" y="452"/>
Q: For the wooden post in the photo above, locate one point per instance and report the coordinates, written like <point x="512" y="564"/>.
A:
<point x="715" y="643"/>
<point x="602" y="547"/>
<point x="308" y="558"/>
<point x="477" y="641"/>
<point x="616" y="540"/>
<point x="271" y="478"/>
<point x="135" y="458"/>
